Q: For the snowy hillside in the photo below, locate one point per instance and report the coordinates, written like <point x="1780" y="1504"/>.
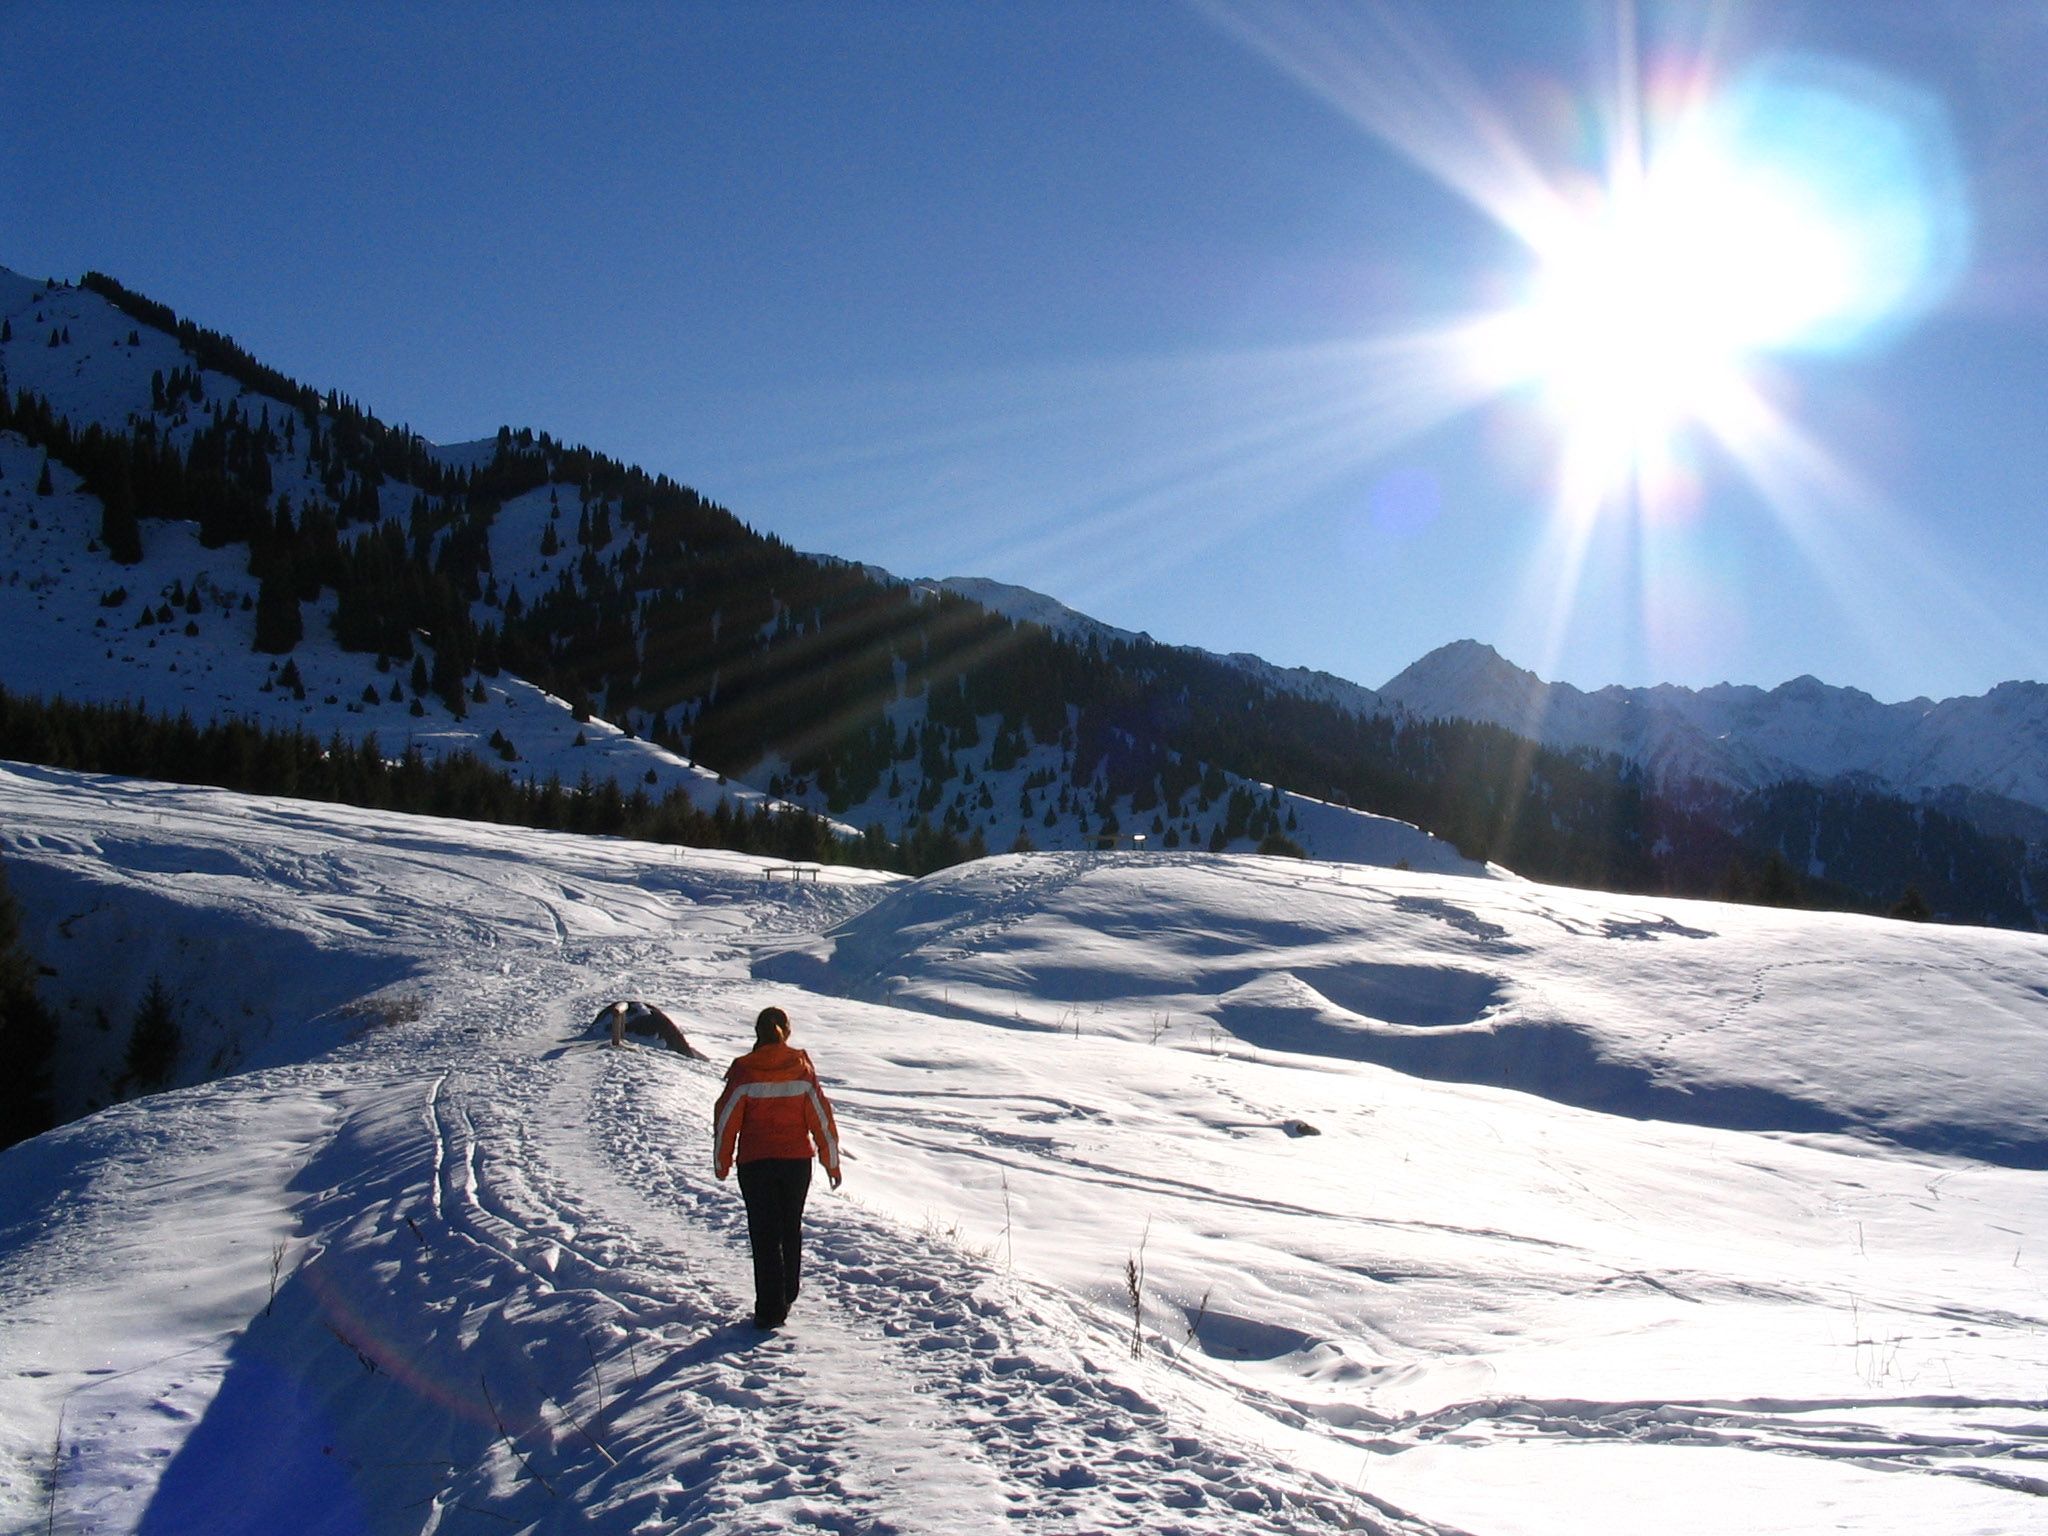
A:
<point x="1996" y="744"/>
<point x="1450" y="1204"/>
<point x="176" y="629"/>
<point x="1034" y="608"/>
<point x="176" y="632"/>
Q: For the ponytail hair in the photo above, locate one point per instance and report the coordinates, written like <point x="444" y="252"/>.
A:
<point x="771" y="1027"/>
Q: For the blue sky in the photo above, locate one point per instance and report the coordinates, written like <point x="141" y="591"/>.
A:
<point x="1139" y="304"/>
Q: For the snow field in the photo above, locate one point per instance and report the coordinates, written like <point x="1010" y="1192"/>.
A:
<point x="512" y="1296"/>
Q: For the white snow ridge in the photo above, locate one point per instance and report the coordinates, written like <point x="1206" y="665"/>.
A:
<point x="1185" y="1193"/>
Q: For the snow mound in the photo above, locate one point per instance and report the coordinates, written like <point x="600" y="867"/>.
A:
<point x="1736" y="1017"/>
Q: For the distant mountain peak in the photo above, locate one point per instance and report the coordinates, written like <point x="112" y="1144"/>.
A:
<point x="1470" y="679"/>
<point x="1804" y="729"/>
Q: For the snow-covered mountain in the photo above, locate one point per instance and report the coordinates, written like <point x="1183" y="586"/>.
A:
<point x="175" y="629"/>
<point x="1184" y="1193"/>
<point x="434" y="590"/>
<point x="1993" y="744"/>
<point x="1027" y="606"/>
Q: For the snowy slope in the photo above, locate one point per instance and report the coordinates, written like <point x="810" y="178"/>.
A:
<point x="1029" y="607"/>
<point x="96" y="377"/>
<point x="71" y="618"/>
<point x="508" y="1290"/>
<point x="82" y="618"/>
<point x="69" y="636"/>
<point x="1748" y="737"/>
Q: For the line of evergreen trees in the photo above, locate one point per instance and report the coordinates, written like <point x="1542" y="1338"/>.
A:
<point x="126" y="740"/>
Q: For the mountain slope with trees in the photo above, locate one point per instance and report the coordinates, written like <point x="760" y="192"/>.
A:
<point x="414" y="590"/>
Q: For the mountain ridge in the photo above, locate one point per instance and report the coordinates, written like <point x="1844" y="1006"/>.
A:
<point x="1746" y="736"/>
<point x="110" y="377"/>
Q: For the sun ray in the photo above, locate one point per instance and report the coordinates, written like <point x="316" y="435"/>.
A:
<point x="1391" y="76"/>
<point x="1798" y="205"/>
<point x="1849" y="534"/>
<point x="1240" y="434"/>
<point x="1725" y="216"/>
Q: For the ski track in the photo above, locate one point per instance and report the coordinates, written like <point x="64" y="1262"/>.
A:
<point x="578" y="1180"/>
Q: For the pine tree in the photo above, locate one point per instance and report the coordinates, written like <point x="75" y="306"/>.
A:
<point x="119" y="529"/>
<point x="1778" y="885"/>
<point x="156" y="1038"/>
<point x="1911" y="906"/>
<point x="43" y="485"/>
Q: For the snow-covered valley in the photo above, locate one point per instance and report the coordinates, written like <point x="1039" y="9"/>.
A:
<point x="1452" y="1204"/>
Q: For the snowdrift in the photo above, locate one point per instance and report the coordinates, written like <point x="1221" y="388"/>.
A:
<point x="1737" y="1017"/>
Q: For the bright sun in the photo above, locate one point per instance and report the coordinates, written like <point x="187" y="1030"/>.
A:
<point x="1641" y="317"/>
<point x="1787" y="216"/>
<point x="1689" y="232"/>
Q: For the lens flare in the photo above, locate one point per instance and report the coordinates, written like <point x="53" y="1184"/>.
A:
<point x="1807" y="206"/>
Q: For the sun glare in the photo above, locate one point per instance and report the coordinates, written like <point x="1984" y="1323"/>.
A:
<point x="1694" y="229"/>
<point x="1800" y="209"/>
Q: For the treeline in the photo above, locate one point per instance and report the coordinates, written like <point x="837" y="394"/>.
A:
<point x="1584" y="818"/>
<point x="235" y="754"/>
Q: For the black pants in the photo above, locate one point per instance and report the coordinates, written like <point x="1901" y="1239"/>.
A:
<point x="775" y="1189"/>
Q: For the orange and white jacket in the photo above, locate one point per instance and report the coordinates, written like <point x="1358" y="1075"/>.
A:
<point x="772" y="1106"/>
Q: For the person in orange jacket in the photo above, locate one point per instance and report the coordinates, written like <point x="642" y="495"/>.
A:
<point x="770" y="1114"/>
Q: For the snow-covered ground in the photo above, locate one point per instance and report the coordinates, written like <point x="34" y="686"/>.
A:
<point x="1452" y="1204"/>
